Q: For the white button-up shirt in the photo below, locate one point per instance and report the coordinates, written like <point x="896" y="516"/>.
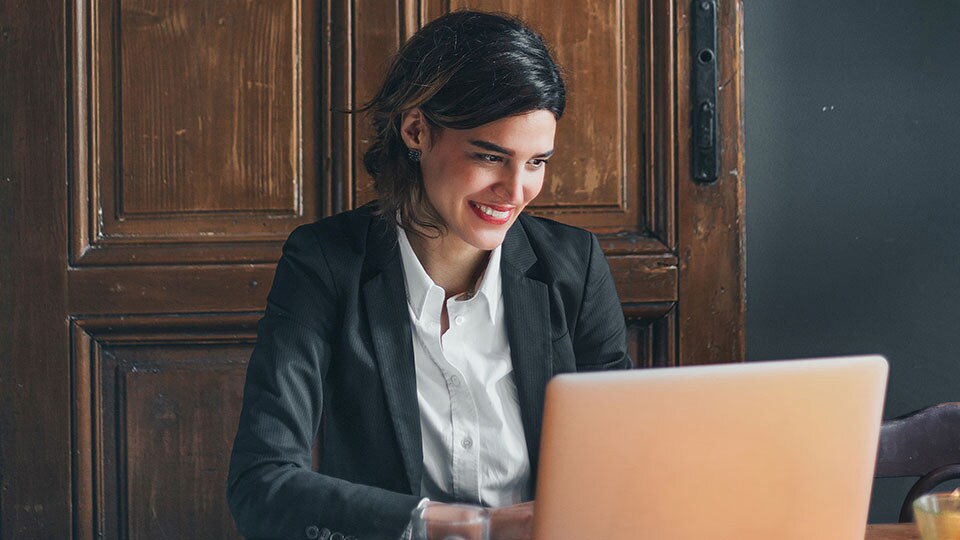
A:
<point x="473" y="443"/>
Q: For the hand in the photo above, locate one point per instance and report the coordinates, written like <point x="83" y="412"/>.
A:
<point x="512" y="522"/>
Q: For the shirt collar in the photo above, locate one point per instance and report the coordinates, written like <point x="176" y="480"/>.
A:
<point x="416" y="278"/>
<point x="490" y="285"/>
<point x="419" y="282"/>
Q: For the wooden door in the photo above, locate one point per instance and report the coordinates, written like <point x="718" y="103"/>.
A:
<point x="154" y="155"/>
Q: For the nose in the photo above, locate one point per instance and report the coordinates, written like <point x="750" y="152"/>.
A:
<point x="510" y="187"/>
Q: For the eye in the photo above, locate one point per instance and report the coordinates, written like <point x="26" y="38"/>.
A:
<point x="538" y="163"/>
<point x="489" y="158"/>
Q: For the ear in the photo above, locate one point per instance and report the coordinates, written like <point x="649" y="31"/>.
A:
<point x="414" y="130"/>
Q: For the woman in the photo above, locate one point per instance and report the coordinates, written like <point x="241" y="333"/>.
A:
<point x="413" y="338"/>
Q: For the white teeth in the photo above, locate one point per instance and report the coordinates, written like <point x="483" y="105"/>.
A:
<point x="495" y="214"/>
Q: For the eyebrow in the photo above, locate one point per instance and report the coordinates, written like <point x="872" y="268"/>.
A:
<point x="486" y="145"/>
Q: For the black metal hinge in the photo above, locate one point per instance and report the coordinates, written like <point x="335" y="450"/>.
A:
<point x="704" y="118"/>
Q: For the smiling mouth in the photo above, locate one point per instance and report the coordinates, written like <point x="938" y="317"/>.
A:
<point x="493" y="214"/>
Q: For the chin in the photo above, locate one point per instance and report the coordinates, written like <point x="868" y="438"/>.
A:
<point x="488" y="242"/>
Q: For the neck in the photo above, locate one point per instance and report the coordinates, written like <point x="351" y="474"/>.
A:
<point x="451" y="263"/>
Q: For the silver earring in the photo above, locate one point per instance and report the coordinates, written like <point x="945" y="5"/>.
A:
<point x="413" y="155"/>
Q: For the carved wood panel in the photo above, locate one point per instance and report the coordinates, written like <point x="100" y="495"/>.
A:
<point x="156" y="405"/>
<point x="650" y="337"/>
<point x="194" y="129"/>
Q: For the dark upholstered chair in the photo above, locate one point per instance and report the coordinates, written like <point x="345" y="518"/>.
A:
<point x="924" y="443"/>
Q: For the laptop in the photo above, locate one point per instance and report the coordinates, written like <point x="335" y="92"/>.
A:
<point x="758" y="451"/>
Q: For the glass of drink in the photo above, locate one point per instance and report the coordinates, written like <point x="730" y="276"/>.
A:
<point x="938" y="515"/>
<point x="451" y="522"/>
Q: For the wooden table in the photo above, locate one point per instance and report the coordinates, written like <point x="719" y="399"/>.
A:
<point x="898" y="531"/>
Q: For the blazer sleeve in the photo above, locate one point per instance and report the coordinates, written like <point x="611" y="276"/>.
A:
<point x="272" y="490"/>
<point x="600" y="336"/>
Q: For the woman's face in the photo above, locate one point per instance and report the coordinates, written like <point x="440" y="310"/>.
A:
<point x="480" y="179"/>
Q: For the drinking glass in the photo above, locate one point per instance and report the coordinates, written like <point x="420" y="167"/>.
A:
<point x="938" y="515"/>
<point x="451" y="522"/>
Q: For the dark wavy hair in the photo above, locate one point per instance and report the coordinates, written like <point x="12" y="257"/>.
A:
<point x="462" y="70"/>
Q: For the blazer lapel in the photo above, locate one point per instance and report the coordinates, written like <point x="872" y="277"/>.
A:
<point x="527" y="316"/>
<point x="384" y="295"/>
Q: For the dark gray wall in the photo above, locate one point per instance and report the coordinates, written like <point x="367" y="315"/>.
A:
<point x="852" y="112"/>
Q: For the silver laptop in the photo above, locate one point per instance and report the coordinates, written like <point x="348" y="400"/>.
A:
<point x="774" y="450"/>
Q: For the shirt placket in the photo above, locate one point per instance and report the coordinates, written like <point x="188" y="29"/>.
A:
<point x="464" y="415"/>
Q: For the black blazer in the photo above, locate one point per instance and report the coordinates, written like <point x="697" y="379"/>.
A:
<point x="334" y="357"/>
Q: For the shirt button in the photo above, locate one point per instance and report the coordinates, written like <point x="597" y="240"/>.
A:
<point x="455" y="381"/>
<point x="312" y="532"/>
<point x="467" y="442"/>
<point x="459" y="320"/>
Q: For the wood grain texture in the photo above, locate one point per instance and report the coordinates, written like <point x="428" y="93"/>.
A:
<point x="171" y="289"/>
<point x="209" y="115"/>
<point x="645" y="279"/>
<point x="660" y="135"/>
<point x="194" y="127"/>
<point x="711" y="216"/>
<point x="158" y="401"/>
<point x="649" y="336"/>
<point x="338" y="65"/>
<point x="34" y="346"/>
<point x="900" y="531"/>
<point x="376" y="37"/>
<point x="179" y="417"/>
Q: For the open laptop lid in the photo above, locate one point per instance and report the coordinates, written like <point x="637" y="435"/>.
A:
<point x="765" y="450"/>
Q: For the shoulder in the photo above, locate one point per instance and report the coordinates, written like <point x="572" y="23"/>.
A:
<point x="563" y="253"/>
<point x="321" y="261"/>
<point x="552" y="239"/>
<point x="342" y="233"/>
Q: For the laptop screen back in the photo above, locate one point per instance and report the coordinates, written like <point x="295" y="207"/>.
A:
<point x="766" y="450"/>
